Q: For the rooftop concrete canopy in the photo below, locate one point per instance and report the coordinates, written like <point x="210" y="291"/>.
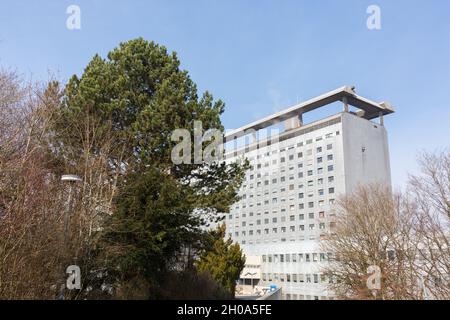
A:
<point x="367" y="109"/>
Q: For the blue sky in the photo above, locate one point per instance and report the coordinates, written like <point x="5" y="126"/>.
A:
<point x="260" y="56"/>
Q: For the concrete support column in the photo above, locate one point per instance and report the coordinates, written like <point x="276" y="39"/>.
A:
<point x="345" y="102"/>
<point x="381" y="118"/>
<point x="300" y="119"/>
<point x="254" y="137"/>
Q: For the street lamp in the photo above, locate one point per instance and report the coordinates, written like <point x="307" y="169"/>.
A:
<point x="71" y="179"/>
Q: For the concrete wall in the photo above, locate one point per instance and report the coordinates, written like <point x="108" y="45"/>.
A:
<point x="366" y="152"/>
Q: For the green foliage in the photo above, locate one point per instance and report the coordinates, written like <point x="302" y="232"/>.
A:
<point x="151" y="224"/>
<point x="140" y="95"/>
<point x="127" y="106"/>
<point x="121" y="113"/>
<point x="224" y="260"/>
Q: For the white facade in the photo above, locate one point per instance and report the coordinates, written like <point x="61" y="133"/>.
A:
<point x="288" y="196"/>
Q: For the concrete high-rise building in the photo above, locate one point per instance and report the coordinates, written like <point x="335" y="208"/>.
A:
<point x="295" y="178"/>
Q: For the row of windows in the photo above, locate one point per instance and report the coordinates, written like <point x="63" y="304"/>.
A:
<point x="299" y="144"/>
<point x="292" y="217"/>
<point x="300" y="175"/>
<point x="295" y="278"/>
<point x="294" y="296"/>
<point x="292" y="228"/>
<point x="258" y="175"/>
<point x="319" y="160"/>
<point x="301" y="206"/>
<point x="296" y="257"/>
<point x="274" y="181"/>
<point x="276" y="240"/>
<point x="291" y="187"/>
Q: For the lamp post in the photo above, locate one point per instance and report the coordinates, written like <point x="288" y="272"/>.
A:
<point x="71" y="179"/>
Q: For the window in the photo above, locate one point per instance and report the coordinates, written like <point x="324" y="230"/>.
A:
<point x="308" y="278"/>
<point x="310" y="204"/>
<point x="330" y="190"/>
<point x="311" y="215"/>
<point x="391" y="255"/>
<point x="330" y="179"/>
<point x="283" y="159"/>
<point x="307" y="257"/>
<point x="310" y="172"/>
<point x="301" y="227"/>
<point x="321" y="226"/>
<point x="321" y="214"/>
<point x="291" y="157"/>
<point x="294" y="257"/>
<point x="319" y="160"/>
<point x="292" y="218"/>
<point x="319" y="149"/>
<point x="320" y="181"/>
<point x="330" y="157"/>
<point x="311" y="226"/>
<point x="301" y="216"/>
<point x="319" y="170"/>
<point x="292" y="228"/>
<point x="329" y="146"/>
<point x="330" y="168"/>
<point x="301" y="195"/>
<point x="320" y="192"/>
<point x="300" y="155"/>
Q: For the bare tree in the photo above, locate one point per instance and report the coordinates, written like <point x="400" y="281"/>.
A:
<point x="33" y="200"/>
<point x="406" y="236"/>
<point x="372" y="233"/>
<point x="430" y="196"/>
